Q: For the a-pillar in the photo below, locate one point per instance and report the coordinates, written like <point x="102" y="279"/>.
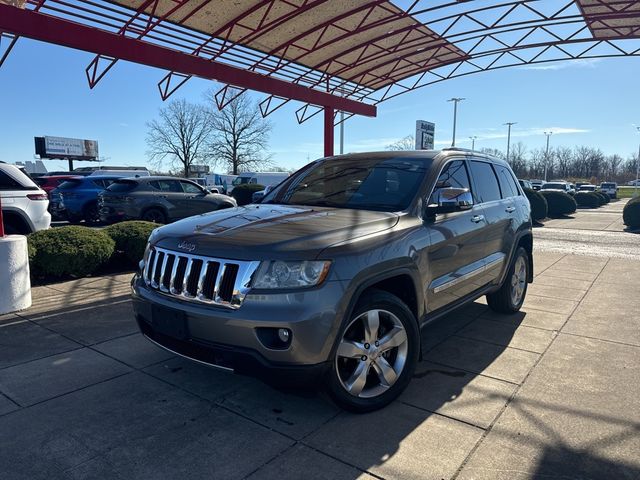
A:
<point x="328" y="131"/>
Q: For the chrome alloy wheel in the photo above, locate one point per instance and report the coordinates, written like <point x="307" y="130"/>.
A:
<point x="372" y="353"/>
<point x="518" y="280"/>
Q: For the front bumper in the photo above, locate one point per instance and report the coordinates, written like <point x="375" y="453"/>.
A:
<point x="229" y="339"/>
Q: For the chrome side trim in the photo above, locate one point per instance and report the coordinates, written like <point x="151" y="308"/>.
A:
<point x="467" y="276"/>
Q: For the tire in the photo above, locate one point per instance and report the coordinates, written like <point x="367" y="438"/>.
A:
<point x="11" y="229"/>
<point x="510" y="297"/>
<point x="154" y="215"/>
<point x="356" y="381"/>
<point x="92" y="214"/>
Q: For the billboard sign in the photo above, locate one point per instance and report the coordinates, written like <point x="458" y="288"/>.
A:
<point x="71" y="148"/>
<point x="425" y="132"/>
<point x="199" y="169"/>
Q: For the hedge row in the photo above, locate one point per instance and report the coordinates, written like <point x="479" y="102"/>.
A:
<point x="80" y="251"/>
<point x="559" y="203"/>
<point x="631" y="213"/>
<point x="244" y="193"/>
<point x="588" y="199"/>
<point x="539" y="207"/>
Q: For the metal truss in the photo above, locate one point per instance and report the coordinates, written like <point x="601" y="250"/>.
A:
<point x="438" y="40"/>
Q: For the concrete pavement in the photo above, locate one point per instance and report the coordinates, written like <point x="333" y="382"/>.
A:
<point x="551" y="392"/>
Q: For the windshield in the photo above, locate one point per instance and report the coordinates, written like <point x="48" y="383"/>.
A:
<point x="383" y="184"/>
<point x="241" y="180"/>
<point x="608" y="185"/>
<point x="122" y="186"/>
<point x="590" y="188"/>
<point x="69" y="184"/>
<point x="555" y="186"/>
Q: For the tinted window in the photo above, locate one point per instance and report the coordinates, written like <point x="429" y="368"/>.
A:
<point x="188" y="187"/>
<point x="485" y="182"/>
<point x="8" y="183"/>
<point x="69" y="184"/>
<point x="455" y="175"/>
<point x="166" y="185"/>
<point x="554" y="186"/>
<point x="122" y="186"/>
<point x="384" y="184"/>
<point x="507" y="184"/>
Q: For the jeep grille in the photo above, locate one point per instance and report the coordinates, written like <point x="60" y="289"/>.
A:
<point x="199" y="279"/>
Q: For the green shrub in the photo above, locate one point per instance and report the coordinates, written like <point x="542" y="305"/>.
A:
<point x="76" y="251"/>
<point x="587" y="199"/>
<point x="538" y="204"/>
<point x="559" y="203"/>
<point x="631" y="213"/>
<point x="243" y="193"/>
<point x="604" y="198"/>
<point x="131" y="238"/>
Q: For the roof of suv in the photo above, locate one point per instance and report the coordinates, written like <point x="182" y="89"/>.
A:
<point x="426" y="154"/>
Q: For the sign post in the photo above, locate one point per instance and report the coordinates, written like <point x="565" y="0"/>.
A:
<point x="425" y="133"/>
<point x="1" y="220"/>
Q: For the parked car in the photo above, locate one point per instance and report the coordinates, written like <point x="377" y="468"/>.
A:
<point x="76" y="199"/>
<point x="49" y="182"/>
<point x="158" y="199"/>
<point x="259" y="195"/>
<point x="112" y="170"/>
<point x="633" y="183"/>
<point x="609" y="188"/>
<point x="572" y="189"/>
<point x="330" y="278"/>
<point x="537" y="184"/>
<point x="24" y="204"/>
<point x="260" y="178"/>
<point x="558" y="187"/>
<point x="525" y="184"/>
<point x="586" y="187"/>
<point x="217" y="182"/>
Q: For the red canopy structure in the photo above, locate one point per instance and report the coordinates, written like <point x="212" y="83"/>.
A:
<point x="330" y="55"/>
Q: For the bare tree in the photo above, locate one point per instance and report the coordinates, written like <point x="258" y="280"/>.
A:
<point x="406" y="143"/>
<point x="240" y="135"/>
<point x="180" y="135"/>
<point x="518" y="159"/>
<point x="564" y="156"/>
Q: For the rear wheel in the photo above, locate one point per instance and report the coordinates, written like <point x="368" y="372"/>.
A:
<point x="154" y="215"/>
<point x="376" y="354"/>
<point x="510" y="297"/>
<point x="92" y="214"/>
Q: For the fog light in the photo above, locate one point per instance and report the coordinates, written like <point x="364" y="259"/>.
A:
<point x="284" y="334"/>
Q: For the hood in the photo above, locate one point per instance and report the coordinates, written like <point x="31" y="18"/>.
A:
<point x="258" y="232"/>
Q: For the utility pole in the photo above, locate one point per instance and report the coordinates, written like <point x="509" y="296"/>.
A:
<point x="473" y="142"/>
<point x="546" y="155"/>
<point x="455" y="101"/>
<point x="509" y="137"/>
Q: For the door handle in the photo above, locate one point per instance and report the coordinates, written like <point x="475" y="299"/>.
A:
<point x="477" y="218"/>
<point x="510" y="209"/>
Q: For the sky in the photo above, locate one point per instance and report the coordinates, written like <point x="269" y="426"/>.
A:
<point x="44" y="91"/>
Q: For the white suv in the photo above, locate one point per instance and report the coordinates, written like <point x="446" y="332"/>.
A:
<point x="24" y="204"/>
<point x="609" y="188"/>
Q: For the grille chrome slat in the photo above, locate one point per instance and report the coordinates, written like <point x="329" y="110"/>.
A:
<point x="206" y="280"/>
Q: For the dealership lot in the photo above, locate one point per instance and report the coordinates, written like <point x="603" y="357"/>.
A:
<point x="551" y="391"/>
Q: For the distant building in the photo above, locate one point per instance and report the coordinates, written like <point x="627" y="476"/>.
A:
<point x="33" y="167"/>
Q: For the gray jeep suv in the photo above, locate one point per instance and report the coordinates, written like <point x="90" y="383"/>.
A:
<point x="331" y="277"/>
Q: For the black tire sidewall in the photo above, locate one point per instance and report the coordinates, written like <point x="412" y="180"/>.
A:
<point x="384" y="301"/>
<point x="160" y="214"/>
<point x="520" y="252"/>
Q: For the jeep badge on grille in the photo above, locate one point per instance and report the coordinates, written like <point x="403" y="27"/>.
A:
<point x="189" y="247"/>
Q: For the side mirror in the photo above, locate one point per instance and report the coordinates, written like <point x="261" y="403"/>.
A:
<point x="449" y="200"/>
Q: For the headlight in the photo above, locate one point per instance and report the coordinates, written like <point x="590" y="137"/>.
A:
<point x="278" y="274"/>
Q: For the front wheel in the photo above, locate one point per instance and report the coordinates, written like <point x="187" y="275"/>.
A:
<point x="510" y="297"/>
<point x="376" y="354"/>
<point x="154" y="215"/>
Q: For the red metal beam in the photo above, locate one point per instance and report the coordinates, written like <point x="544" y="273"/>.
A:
<point x="50" y="29"/>
<point x="328" y="132"/>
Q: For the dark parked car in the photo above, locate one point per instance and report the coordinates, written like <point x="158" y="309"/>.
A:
<point x="49" y="182"/>
<point x="537" y="184"/>
<point x="331" y="277"/>
<point x="525" y="184"/>
<point x="158" y="199"/>
<point x="76" y="198"/>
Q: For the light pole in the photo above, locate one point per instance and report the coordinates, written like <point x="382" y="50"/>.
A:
<point x="635" y="191"/>
<point x="546" y="155"/>
<point x="455" y="101"/>
<point x="341" y="132"/>
<point x="509" y="137"/>
<point x="473" y="142"/>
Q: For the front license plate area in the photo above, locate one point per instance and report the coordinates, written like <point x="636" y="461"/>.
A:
<point x="170" y="322"/>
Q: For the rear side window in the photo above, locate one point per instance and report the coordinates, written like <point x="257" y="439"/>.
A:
<point x="485" y="182"/>
<point x="166" y="185"/>
<point x="69" y="184"/>
<point x="120" y="186"/>
<point x="455" y="175"/>
<point x="507" y="183"/>
<point x="8" y="183"/>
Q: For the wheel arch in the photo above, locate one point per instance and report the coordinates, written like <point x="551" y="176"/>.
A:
<point x="19" y="219"/>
